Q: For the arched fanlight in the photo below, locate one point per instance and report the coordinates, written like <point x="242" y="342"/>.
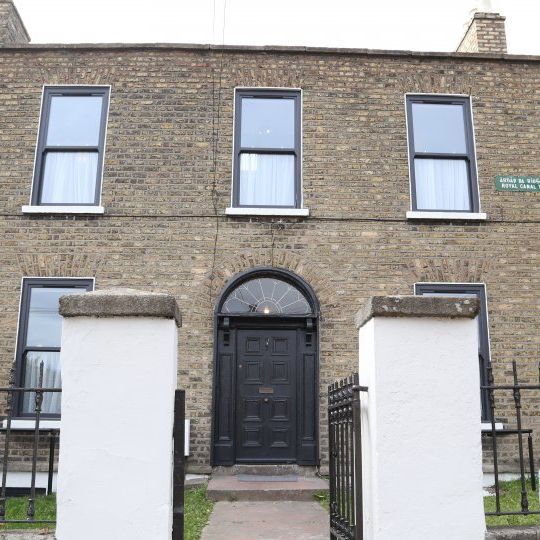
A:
<point x="267" y="296"/>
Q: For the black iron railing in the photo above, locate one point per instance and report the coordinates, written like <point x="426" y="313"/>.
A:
<point x="179" y="464"/>
<point x="518" y="433"/>
<point x="51" y="435"/>
<point x="345" y="442"/>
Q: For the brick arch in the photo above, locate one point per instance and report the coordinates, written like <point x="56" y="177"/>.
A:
<point x="450" y="270"/>
<point x="317" y="277"/>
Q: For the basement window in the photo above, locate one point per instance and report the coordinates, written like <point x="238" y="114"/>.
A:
<point x="442" y="160"/>
<point x="38" y="341"/>
<point x="71" y="141"/>
<point x="468" y="290"/>
<point x="267" y="150"/>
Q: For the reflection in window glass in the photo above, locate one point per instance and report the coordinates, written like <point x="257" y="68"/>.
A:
<point x="267" y="123"/>
<point x="74" y="121"/>
<point x="439" y="128"/>
<point x="44" y="321"/>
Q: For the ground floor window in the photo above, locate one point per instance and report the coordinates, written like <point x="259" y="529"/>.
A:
<point x="38" y="341"/>
<point x="467" y="290"/>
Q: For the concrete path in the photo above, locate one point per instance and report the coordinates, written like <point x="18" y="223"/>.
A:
<point x="267" y="520"/>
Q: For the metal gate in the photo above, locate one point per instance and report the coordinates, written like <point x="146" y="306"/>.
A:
<point x="345" y="442"/>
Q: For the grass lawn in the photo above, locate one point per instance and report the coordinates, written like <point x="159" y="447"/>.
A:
<point x="16" y="509"/>
<point x="197" y="512"/>
<point x="511" y="501"/>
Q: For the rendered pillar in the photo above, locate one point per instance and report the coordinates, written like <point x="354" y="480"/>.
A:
<point x="422" y="455"/>
<point x="119" y="372"/>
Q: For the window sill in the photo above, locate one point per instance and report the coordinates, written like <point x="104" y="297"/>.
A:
<point x="460" y="216"/>
<point x="292" y="212"/>
<point x="486" y="426"/>
<point x="29" y="424"/>
<point x="88" y="210"/>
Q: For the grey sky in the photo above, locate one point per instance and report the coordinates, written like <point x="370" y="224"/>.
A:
<point x="428" y="25"/>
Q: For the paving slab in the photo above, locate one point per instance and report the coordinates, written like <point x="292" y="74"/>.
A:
<point x="268" y="520"/>
<point x="232" y="488"/>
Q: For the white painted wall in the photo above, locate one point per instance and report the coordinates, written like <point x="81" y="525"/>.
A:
<point x="115" y="462"/>
<point x="421" y="429"/>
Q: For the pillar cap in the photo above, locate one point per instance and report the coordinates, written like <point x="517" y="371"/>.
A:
<point x="121" y="302"/>
<point x="417" y="306"/>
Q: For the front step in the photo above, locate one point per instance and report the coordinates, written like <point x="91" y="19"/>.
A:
<point x="266" y="470"/>
<point x="250" y="487"/>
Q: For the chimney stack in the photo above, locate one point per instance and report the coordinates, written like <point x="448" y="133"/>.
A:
<point x="12" y="29"/>
<point x="485" y="33"/>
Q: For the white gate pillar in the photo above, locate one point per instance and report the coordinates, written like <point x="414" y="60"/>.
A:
<point x="422" y="456"/>
<point x="119" y="373"/>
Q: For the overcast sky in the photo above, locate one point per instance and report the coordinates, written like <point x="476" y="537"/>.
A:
<point x="424" y="25"/>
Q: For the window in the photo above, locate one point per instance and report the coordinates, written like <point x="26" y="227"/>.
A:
<point x="267" y="160"/>
<point x="468" y="291"/>
<point x="40" y="328"/>
<point x="69" y="157"/>
<point x="267" y="296"/>
<point x="441" y="154"/>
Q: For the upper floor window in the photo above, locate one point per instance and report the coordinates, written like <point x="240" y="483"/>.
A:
<point x="441" y="154"/>
<point x="69" y="157"/>
<point x="38" y="342"/>
<point x="267" y="155"/>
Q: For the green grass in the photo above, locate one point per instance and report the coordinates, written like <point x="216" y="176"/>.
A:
<point x="197" y="511"/>
<point x="323" y="498"/>
<point x="16" y="509"/>
<point x="511" y="501"/>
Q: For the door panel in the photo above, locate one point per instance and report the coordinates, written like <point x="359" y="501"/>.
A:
<point x="266" y="395"/>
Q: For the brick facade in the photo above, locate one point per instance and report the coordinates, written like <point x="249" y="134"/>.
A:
<point x="167" y="183"/>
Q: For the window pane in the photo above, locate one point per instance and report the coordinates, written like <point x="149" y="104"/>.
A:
<point x="74" y="121"/>
<point x="268" y="296"/>
<point x="439" y="128"/>
<point x="267" y="180"/>
<point x="267" y="123"/>
<point x="442" y="184"/>
<point x="51" y="379"/>
<point x="69" y="178"/>
<point x="44" y="321"/>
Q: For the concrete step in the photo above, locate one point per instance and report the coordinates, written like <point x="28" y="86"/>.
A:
<point x="268" y="470"/>
<point x="264" y="488"/>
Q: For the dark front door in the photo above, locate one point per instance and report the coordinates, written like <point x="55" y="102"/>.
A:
<point x="266" y="395"/>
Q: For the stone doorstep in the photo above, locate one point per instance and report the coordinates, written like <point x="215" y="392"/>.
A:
<point x="230" y="488"/>
<point x="270" y="470"/>
<point x="513" y="533"/>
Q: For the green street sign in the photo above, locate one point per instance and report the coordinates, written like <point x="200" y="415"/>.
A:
<point x="517" y="183"/>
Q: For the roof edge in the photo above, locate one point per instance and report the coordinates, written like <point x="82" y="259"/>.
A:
<point x="267" y="48"/>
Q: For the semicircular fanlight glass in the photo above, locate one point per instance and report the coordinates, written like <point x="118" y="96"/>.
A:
<point x="267" y="296"/>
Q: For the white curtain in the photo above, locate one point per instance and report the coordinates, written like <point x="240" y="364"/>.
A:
<point x="69" y="177"/>
<point x="442" y="184"/>
<point x="51" y="379"/>
<point x="267" y="180"/>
